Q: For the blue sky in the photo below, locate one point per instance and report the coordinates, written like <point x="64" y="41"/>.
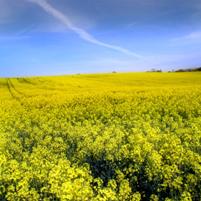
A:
<point x="39" y="37"/>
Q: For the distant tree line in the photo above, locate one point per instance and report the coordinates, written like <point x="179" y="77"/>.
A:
<point x="155" y="70"/>
<point x="189" y="70"/>
<point x="178" y="70"/>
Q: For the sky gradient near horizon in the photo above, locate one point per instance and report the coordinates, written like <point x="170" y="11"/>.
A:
<point x="98" y="36"/>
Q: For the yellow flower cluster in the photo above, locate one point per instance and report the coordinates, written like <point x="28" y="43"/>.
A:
<point x="103" y="137"/>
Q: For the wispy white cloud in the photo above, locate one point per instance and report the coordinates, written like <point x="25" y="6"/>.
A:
<point x="192" y="37"/>
<point x="165" y="62"/>
<point x="79" y="31"/>
<point x="12" y="38"/>
<point x="20" y="35"/>
<point x="25" y="30"/>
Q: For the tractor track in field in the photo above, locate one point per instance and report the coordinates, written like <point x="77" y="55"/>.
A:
<point x="11" y="90"/>
<point x="16" y="94"/>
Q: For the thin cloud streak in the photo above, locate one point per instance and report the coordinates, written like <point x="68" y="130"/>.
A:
<point x="12" y="38"/>
<point x="81" y="32"/>
<point x="193" y="37"/>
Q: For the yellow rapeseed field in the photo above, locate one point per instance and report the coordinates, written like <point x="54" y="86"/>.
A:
<point x="99" y="137"/>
